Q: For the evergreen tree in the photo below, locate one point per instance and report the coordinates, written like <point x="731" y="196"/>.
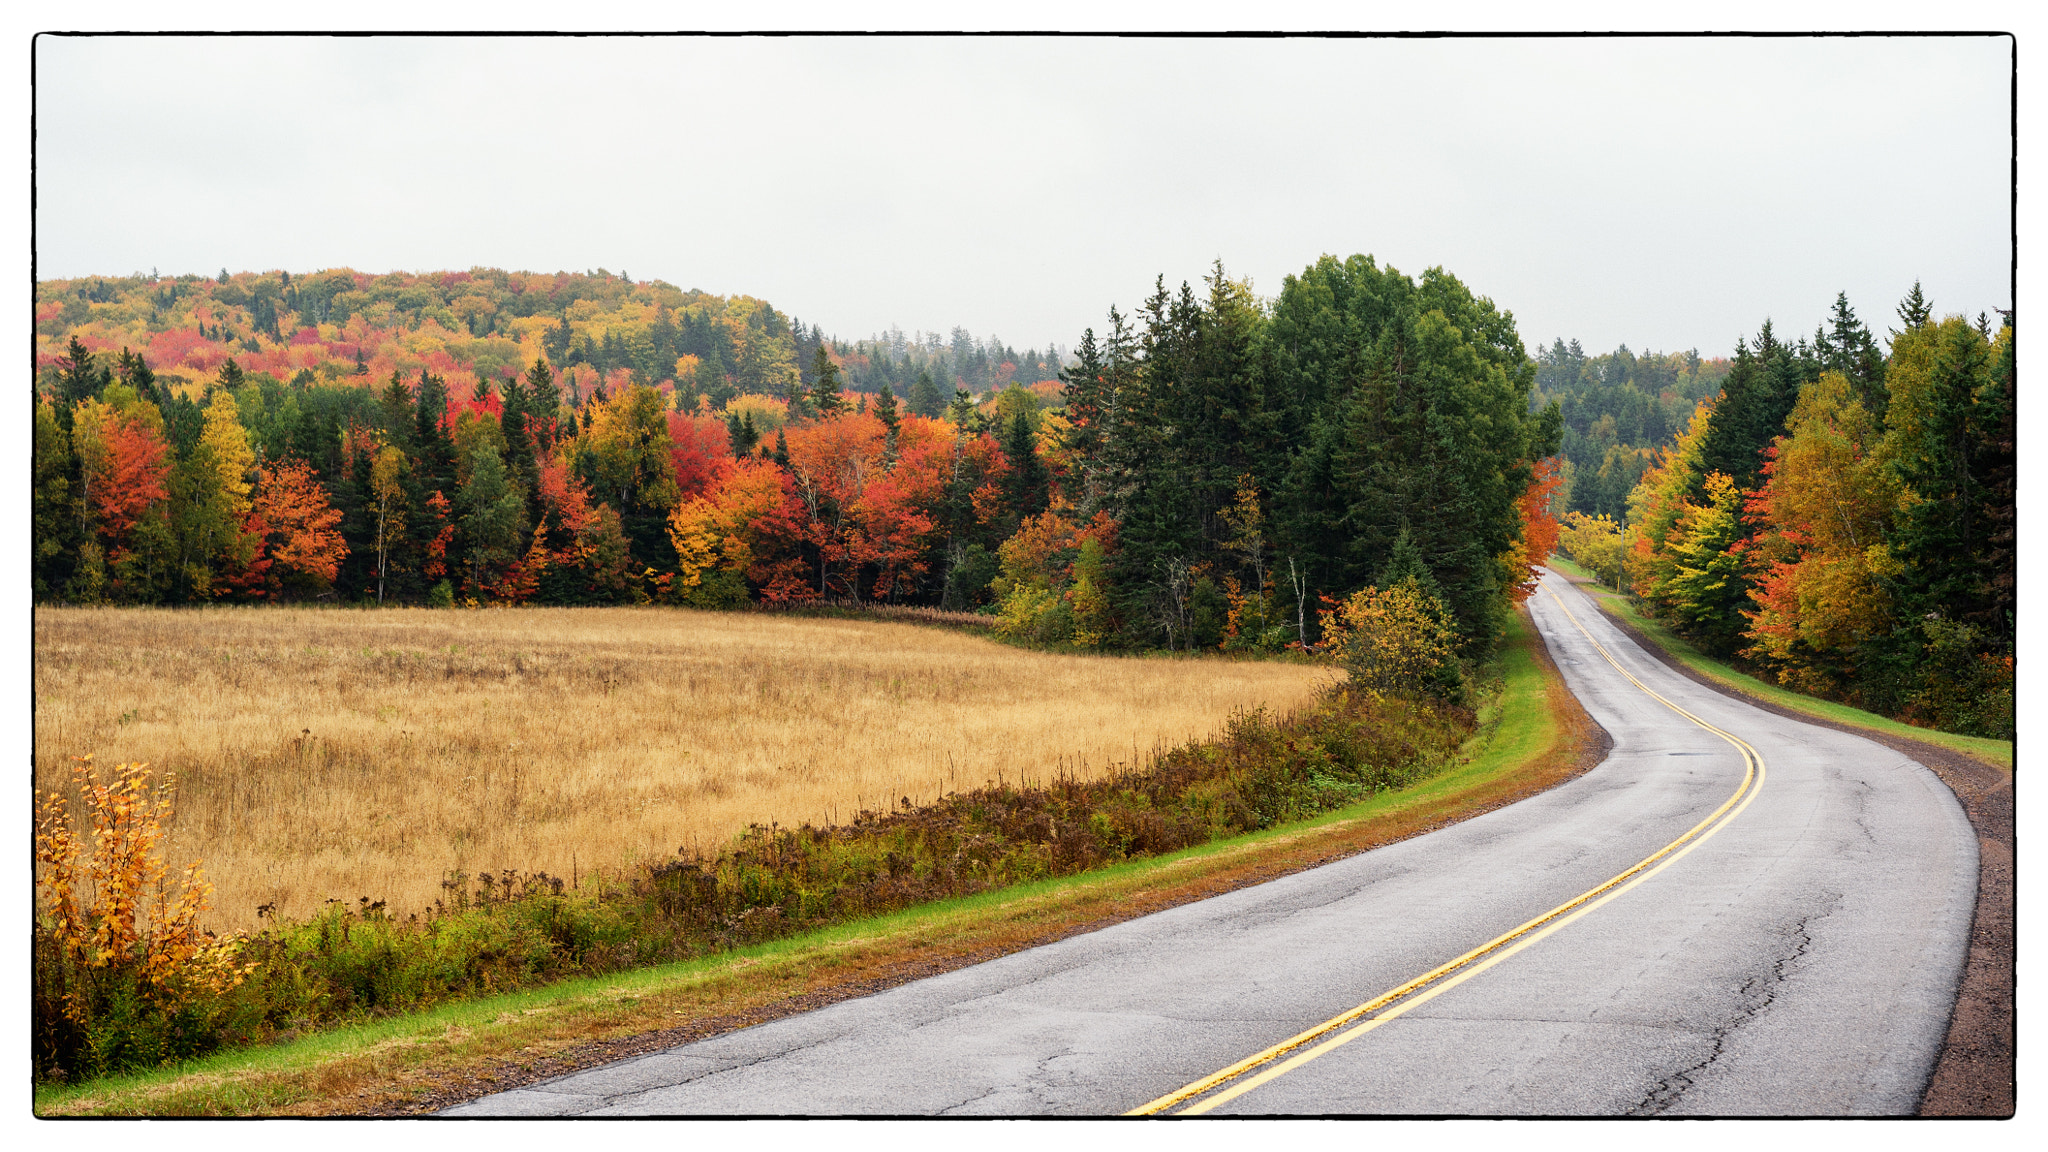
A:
<point x="738" y="425"/>
<point x="1027" y="484"/>
<point x="1756" y="397"/>
<point x="519" y="450"/>
<point x="435" y="451"/>
<point x="964" y="414"/>
<point x="543" y="397"/>
<point x="81" y="380"/>
<point x="885" y="410"/>
<point x="825" y="395"/>
<point x="1942" y="440"/>
<point x="54" y="541"/>
<point x="1844" y="345"/>
<point x="228" y="379"/>
<point x="398" y="419"/>
<point x="492" y="522"/>
<point x="925" y="398"/>
<point x="1914" y="311"/>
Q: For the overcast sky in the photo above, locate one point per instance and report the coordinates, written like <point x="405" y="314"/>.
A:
<point x="1666" y="193"/>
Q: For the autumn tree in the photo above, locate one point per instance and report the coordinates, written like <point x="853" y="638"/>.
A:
<point x="1825" y="511"/>
<point x="302" y="544"/>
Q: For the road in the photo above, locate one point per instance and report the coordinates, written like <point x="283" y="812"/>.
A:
<point x="1767" y="922"/>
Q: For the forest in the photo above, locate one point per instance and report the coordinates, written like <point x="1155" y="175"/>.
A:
<point x="1211" y="470"/>
<point x="1837" y="514"/>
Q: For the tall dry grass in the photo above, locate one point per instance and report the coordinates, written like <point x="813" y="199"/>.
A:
<point x="338" y="754"/>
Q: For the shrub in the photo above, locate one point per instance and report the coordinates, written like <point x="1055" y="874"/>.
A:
<point x="496" y="933"/>
<point x="123" y="973"/>
<point x="1396" y="641"/>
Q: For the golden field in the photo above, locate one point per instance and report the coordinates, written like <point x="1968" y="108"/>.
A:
<point x="333" y="753"/>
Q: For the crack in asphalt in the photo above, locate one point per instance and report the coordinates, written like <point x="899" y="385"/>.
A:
<point x="1028" y="1083"/>
<point x="1760" y="991"/>
<point x="707" y="1073"/>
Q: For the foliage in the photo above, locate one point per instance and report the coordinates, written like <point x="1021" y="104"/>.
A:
<point x="1595" y="543"/>
<point x="1395" y="641"/>
<point x="585" y="439"/>
<point x="497" y="933"/>
<point x="1846" y="519"/>
<point x="124" y="975"/>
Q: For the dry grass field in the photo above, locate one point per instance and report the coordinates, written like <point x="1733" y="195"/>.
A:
<point x="332" y="753"/>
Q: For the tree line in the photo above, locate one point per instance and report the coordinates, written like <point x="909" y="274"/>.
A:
<point x="1212" y="470"/>
<point x="1841" y="515"/>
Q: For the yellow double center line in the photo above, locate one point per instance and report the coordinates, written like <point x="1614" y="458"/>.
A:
<point x="1236" y="1080"/>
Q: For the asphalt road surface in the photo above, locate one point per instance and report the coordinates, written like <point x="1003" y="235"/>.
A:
<point x="1691" y="928"/>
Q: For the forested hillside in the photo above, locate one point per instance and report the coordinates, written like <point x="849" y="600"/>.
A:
<point x="1838" y="515"/>
<point x="1618" y="408"/>
<point x="1212" y="470"/>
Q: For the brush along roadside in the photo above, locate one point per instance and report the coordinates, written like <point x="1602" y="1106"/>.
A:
<point x="1530" y="736"/>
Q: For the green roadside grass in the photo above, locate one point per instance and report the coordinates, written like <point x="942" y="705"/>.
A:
<point x="1997" y="753"/>
<point x="408" y="1057"/>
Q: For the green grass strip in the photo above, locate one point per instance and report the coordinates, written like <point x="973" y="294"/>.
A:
<point x="1516" y="726"/>
<point x="1994" y="752"/>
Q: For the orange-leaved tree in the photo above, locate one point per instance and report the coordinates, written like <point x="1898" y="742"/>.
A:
<point x="1539" y="528"/>
<point x="302" y="544"/>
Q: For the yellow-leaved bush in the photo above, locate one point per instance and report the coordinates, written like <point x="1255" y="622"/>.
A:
<point x="124" y="975"/>
<point x="1394" y="640"/>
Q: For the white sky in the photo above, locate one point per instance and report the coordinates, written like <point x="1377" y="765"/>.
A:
<point x="1667" y="193"/>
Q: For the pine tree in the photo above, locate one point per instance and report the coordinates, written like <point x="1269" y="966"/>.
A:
<point x="1027" y="485"/>
<point x="825" y="395"/>
<point x="885" y="410"/>
<point x="435" y="450"/>
<point x="399" y="420"/>
<point x="925" y="398"/>
<point x="1914" y="311"/>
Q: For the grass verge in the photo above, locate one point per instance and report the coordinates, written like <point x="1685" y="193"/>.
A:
<point x="1997" y="753"/>
<point x="1532" y="736"/>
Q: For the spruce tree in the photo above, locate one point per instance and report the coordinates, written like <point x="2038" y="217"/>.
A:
<point x="1844" y="345"/>
<point x="434" y="450"/>
<point x="885" y="410"/>
<point x="1028" y="482"/>
<point x="825" y="395"/>
<point x="398" y="417"/>
<point x="1915" y="310"/>
<point x="925" y="398"/>
<point x="81" y="380"/>
<point x="519" y="450"/>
